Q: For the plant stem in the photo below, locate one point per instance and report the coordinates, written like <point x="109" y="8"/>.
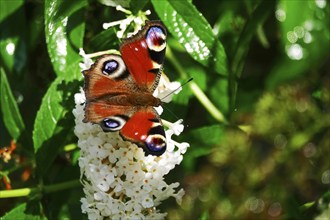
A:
<point x="202" y="98"/>
<point x="18" y="192"/>
<point x="38" y="190"/>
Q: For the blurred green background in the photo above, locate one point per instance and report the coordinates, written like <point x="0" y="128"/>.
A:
<point x="256" y="114"/>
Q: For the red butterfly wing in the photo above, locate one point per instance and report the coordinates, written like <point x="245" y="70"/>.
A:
<point x="145" y="129"/>
<point x="144" y="54"/>
<point x="137" y="124"/>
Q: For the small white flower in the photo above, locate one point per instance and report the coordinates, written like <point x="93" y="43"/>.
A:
<point x="176" y="128"/>
<point x="103" y="186"/>
<point x="79" y="98"/>
<point x="147" y="202"/>
<point x="178" y="196"/>
<point x="159" y="110"/>
<point x="87" y="60"/>
<point x="167" y="89"/>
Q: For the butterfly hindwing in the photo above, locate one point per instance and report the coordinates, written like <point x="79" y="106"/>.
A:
<point x="139" y="125"/>
<point x="145" y="129"/>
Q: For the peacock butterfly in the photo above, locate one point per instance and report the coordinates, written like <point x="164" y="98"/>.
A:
<point x="119" y="89"/>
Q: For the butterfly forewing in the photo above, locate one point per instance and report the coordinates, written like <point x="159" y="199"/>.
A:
<point x="144" y="54"/>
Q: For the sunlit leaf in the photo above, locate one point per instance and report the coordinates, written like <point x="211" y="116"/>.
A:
<point x="114" y="3"/>
<point x="64" y="30"/>
<point x="10" y="112"/>
<point x="192" y="30"/>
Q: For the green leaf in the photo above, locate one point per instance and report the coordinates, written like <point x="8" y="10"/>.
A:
<point x="36" y="26"/>
<point x="48" y="115"/>
<point x="21" y="212"/>
<point x="213" y="86"/>
<point x="53" y="121"/>
<point x="203" y="139"/>
<point x="258" y="17"/>
<point x="13" y="40"/>
<point x="64" y="30"/>
<point x="10" y="112"/>
<point x="212" y="135"/>
<point x="136" y="6"/>
<point x="192" y="30"/>
<point x="228" y="27"/>
<point x="105" y="40"/>
<point x="114" y="3"/>
<point x="218" y="93"/>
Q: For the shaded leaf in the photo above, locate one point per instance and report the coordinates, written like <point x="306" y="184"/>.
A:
<point x="11" y="116"/>
<point x="13" y="42"/>
<point x="207" y="136"/>
<point x="218" y="92"/>
<point x="203" y="139"/>
<point x="105" y="40"/>
<point x="36" y="26"/>
<point x="258" y="17"/>
<point x="51" y="124"/>
<point x="228" y="27"/>
<point x="136" y="6"/>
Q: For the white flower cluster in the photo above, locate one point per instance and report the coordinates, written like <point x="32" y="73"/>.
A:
<point x="120" y="182"/>
<point x="138" y="21"/>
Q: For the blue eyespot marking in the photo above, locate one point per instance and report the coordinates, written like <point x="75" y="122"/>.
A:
<point x="114" y="123"/>
<point x="110" y="123"/>
<point x="156" y="38"/>
<point x="109" y="67"/>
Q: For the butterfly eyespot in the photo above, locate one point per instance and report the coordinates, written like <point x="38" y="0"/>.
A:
<point x="114" y="67"/>
<point x="114" y="123"/>
<point x="156" y="38"/>
<point x="155" y="144"/>
<point x="110" y="67"/>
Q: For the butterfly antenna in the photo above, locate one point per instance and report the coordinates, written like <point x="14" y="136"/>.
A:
<point x="177" y="88"/>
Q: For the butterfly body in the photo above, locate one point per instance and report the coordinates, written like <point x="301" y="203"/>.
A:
<point x="119" y="89"/>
